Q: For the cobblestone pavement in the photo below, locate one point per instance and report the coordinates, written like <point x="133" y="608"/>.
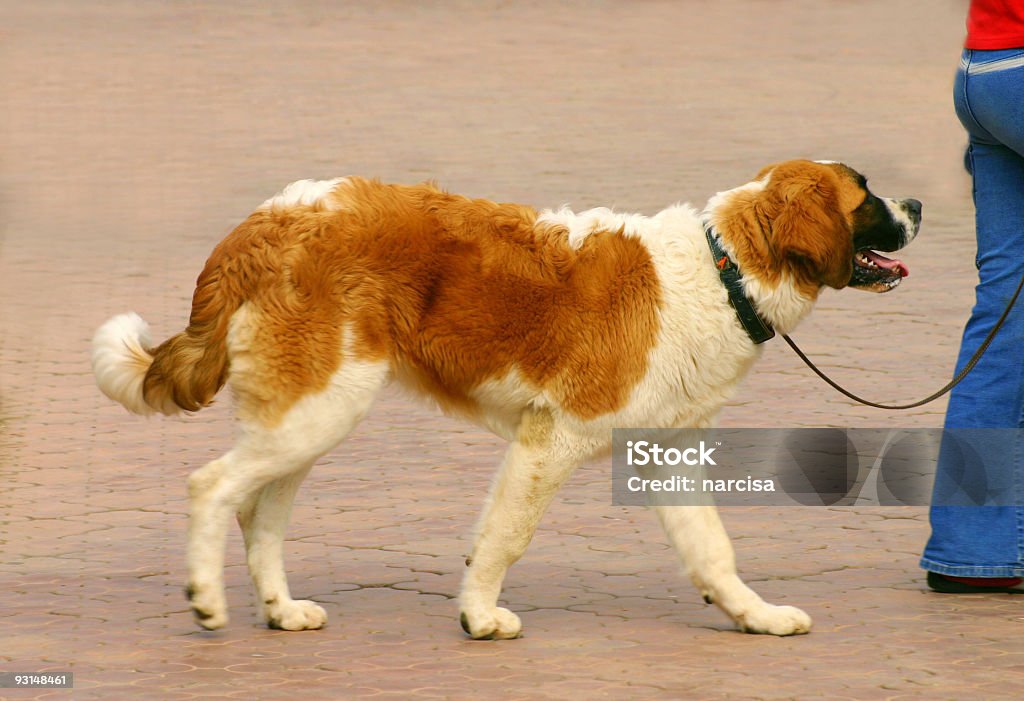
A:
<point x="134" y="135"/>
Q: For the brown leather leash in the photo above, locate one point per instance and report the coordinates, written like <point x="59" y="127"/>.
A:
<point x="932" y="397"/>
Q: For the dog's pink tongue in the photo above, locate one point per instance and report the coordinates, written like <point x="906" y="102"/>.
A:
<point x="888" y="263"/>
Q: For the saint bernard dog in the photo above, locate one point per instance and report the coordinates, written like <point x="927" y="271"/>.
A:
<point x="547" y="327"/>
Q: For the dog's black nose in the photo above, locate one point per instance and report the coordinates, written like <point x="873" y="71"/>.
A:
<point x="913" y="208"/>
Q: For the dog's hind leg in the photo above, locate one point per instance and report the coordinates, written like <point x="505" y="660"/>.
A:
<point x="257" y="480"/>
<point x="264" y="520"/>
<point x="537" y="463"/>
<point x="216" y="491"/>
<point x="702" y="543"/>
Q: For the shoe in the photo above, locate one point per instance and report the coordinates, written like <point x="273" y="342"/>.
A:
<point x="946" y="584"/>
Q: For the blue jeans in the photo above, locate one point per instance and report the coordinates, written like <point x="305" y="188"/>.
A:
<point x="988" y="541"/>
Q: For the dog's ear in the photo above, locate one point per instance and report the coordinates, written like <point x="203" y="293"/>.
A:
<point x="808" y="230"/>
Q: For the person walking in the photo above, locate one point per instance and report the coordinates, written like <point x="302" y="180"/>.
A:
<point x="981" y="548"/>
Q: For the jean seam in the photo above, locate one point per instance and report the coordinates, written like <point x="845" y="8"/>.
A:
<point x="1018" y="510"/>
<point x="967" y="102"/>
<point x="974" y="197"/>
<point x="939" y="567"/>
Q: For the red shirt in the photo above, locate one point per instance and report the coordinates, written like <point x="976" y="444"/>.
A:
<point x="995" y="24"/>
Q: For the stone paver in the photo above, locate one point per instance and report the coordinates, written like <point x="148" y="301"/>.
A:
<point x="134" y="135"/>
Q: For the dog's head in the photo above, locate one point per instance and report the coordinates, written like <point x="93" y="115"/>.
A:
<point x="819" y="224"/>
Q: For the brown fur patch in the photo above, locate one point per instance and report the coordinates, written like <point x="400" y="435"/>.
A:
<point x="190" y="367"/>
<point x="451" y="291"/>
<point x="799" y="225"/>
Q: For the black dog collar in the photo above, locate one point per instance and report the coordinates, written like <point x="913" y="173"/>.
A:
<point x="757" y="328"/>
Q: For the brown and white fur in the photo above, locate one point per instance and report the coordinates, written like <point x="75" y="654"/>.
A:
<point x="549" y="328"/>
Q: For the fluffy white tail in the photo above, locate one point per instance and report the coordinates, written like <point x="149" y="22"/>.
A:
<point x="121" y="357"/>
<point x="184" y="372"/>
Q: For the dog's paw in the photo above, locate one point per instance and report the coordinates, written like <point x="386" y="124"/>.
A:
<point x="296" y="615"/>
<point x="208" y="606"/>
<point x="495" y="624"/>
<point x="775" y="620"/>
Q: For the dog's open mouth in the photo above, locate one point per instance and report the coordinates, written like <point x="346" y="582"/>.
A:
<point x="875" y="272"/>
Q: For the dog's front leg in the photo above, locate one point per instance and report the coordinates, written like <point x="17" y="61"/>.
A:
<point x="537" y="463"/>
<point x="702" y="543"/>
